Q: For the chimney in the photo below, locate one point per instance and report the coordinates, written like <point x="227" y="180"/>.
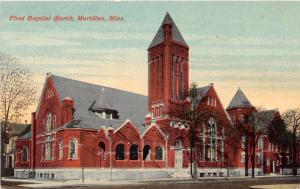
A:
<point x="68" y="106"/>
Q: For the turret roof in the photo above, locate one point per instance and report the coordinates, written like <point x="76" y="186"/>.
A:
<point x="239" y="100"/>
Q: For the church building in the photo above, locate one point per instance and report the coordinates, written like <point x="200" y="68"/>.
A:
<point x="96" y="132"/>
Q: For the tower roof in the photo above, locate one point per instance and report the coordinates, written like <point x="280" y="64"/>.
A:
<point x="239" y="100"/>
<point x="159" y="36"/>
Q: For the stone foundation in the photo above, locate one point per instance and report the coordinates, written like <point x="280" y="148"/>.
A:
<point x="126" y="174"/>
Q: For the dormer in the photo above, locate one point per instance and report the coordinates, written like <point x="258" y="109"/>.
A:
<point x="103" y="108"/>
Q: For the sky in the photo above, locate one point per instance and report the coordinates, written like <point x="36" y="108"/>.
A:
<point x="251" y="45"/>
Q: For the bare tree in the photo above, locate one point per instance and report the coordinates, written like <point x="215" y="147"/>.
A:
<point x="17" y="93"/>
<point x="231" y="139"/>
<point x="292" y="120"/>
<point x="258" y="124"/>
<point x="281" y="136"/>
<point x="185" y="111"/>
<point x="189" y="112"/>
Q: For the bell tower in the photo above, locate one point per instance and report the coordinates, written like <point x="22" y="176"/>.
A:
<point x="168" y="69"/>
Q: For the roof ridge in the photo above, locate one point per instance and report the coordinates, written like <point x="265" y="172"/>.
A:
<point x="52" y="75"/>
<point x="203" y="87"/>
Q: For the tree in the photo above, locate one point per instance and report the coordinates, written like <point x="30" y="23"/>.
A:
<point x="194" y="119"/>
<point x="258" y="123"/>
<point x="17" y="93"/>
<point x="190" y="112"/>
<point x="231" y="138"/>
<point x="185" y="111"/>
<point x="292" y="120"/>
<point x="281" y="136"/>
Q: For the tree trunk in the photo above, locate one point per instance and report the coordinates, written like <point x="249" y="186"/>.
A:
<point x="294" y="155"/>
<point x="246" y="156"/>
<point x="191" y="161"/>
<point x="196" y="162"/>
<point x="253" y="154"/>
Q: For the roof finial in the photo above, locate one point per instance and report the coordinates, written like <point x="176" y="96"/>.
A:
<point x="49" y="74"/>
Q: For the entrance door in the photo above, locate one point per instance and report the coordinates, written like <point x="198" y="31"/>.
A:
<point x="178" y="158"/>
<point x="178" y="154"/>
<point x="10" y="162"/>
<point x="271" y="166"/>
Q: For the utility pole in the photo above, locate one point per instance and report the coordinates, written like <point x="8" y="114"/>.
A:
<point x="81" y="158"/>
<point x="82" y="174"/>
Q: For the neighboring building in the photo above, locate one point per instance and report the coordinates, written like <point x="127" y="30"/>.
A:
<point x="80" y="127"/>
<point x="16" y="130"/>
<point x="267" y="154"/>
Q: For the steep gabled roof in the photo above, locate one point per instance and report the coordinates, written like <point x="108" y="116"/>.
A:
<point x="159" y="36"/>
<point x="264" y="119"/>
<point x="129" y="105"/>
<point x="26" y="136"/>
<point x="239" y="100"/>
<point x="202" y="91"/>
<point x="19" y="129"/>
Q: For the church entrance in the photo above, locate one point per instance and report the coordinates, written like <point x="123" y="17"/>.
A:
<point x="178" y="154"/>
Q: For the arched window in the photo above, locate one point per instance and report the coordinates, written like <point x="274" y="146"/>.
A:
<point x="42" y="148"/>
<point x="134" y="152"/>
<point x="212" y="127"/>
<point x="25" y="154"/>
<point x="48" y="147"/>
<point x="158" y="153"/>
<point x="54" y="147"/>
<point x="120" y="152"/>
<point x="61" y="149"/>
<point x="54" y="123"/>
<point x="73" y="146"/>
<point x="203" y="129"/>
<point x="146" y="153"/>
<point x="102" y="150"/>
<point x="212" y="152"/>
<point x="49" y="122"/>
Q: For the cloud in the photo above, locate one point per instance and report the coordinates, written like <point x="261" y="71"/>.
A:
<point x="244" y="51"/>
<point x="34" y="39"/>
<point x="64" y="38"/>
<point x="240" y="41"/>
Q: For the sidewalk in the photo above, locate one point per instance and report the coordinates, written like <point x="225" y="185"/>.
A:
<point x="33" y="183"/>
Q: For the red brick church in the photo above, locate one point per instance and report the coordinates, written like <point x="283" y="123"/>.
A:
<point x="105" y="133"/>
